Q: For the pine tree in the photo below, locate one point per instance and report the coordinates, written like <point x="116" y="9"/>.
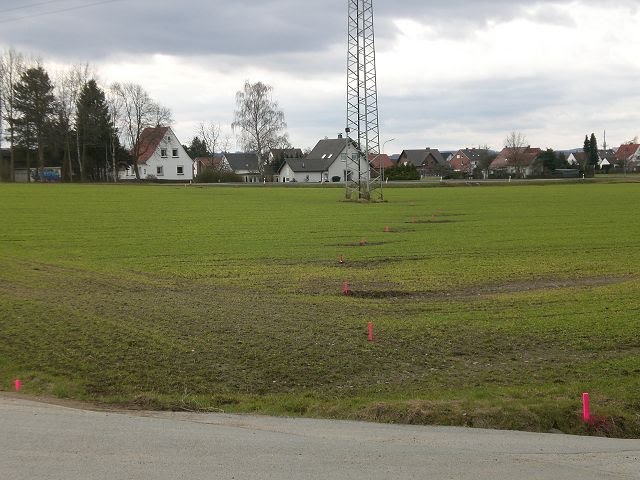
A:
<point x="198" y="148"/>
<point x="593" y="151"/>
<point x="94" y="130"/>
<point x="586" y="148"/>
<point x="34" y="102"/>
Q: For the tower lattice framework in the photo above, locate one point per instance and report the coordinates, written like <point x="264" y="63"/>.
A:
<point x="363" y="136"/>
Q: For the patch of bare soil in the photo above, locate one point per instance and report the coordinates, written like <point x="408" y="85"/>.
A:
<point x="430" y="220"/>
<point x="489" y="290"/>
<point x="364" y="243"/>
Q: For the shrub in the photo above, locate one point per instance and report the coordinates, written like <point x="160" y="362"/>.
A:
<point x="209" y="175"/>
<point x="402" y="172"/>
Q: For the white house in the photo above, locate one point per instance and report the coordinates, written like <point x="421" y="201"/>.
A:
<point x="161" y="156"/>
<point x="325" y="163"/>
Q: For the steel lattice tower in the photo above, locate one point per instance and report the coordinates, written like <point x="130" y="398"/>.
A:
<point x="362" y="105"/>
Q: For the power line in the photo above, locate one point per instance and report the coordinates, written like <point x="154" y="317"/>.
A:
<point x="21" y="7"/>
<point x="60" y="10"/>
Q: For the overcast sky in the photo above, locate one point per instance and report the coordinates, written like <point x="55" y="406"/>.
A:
<point x="451" y="73"/>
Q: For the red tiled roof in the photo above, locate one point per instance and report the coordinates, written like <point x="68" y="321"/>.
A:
<point x="380" y="160"/>
<point x="149" y="140"/>
<point x="209" y="162"/>
<point x="504" y="159"/>
<point x="626" y="151"/>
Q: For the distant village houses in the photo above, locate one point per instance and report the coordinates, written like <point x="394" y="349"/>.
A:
<point x="162" y="157"/>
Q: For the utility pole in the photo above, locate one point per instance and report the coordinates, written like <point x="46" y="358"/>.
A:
<point x="362" y="133"/>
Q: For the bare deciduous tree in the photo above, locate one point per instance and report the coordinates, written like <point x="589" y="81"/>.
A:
<point x="13" y="65"/>
<point x="260" y="121"/>
<point x="68" y="85"/>
<point x="162" y="114"/>
<point x="516" y="142"/>
<point x="137" y="111"/>
<point x="115" y="104"/>
<point x="215" y="139"/>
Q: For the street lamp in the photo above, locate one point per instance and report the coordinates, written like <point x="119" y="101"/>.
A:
<point x="382" y="152"/>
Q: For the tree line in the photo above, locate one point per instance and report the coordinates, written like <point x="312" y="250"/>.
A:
<point x="69" y="121"/>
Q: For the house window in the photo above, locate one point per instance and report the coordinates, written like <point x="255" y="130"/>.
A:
<point x="163" y="152"/>
<point x="180" y="170"/>
<point x="174" y="152"/>
<point x="159" y="170"/>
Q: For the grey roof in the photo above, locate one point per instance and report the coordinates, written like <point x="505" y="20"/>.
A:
<point x="330" y="148"/>
<point x="301" y="165"/>
<point x="475" y="153"/>
<point x="417" y="157"/>
<point x="242" y="161"/>
<point x="286" y="152"/>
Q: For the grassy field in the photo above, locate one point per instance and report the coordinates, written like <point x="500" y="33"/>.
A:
<point x="492" y="306"/>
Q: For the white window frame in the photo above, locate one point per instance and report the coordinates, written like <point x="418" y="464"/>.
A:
<point x="174" y="152"/>
<point x="180" y="169"/>
<point x="163" y="152"/>
<point x="160" y="171"/>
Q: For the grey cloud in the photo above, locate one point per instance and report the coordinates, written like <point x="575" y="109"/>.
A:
<point x="169" y="27"/>
<point x="298" y="37"/>
<point x="549" y="111"/>
<point x="249" y="28"/>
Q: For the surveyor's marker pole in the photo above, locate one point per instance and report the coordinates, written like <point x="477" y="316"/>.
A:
<point x="586" y="415"/>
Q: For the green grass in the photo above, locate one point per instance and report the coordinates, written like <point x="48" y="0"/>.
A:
<point x="493" y="307"/>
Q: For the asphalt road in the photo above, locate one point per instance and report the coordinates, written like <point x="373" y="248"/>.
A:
<point x="43" y="441"/>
